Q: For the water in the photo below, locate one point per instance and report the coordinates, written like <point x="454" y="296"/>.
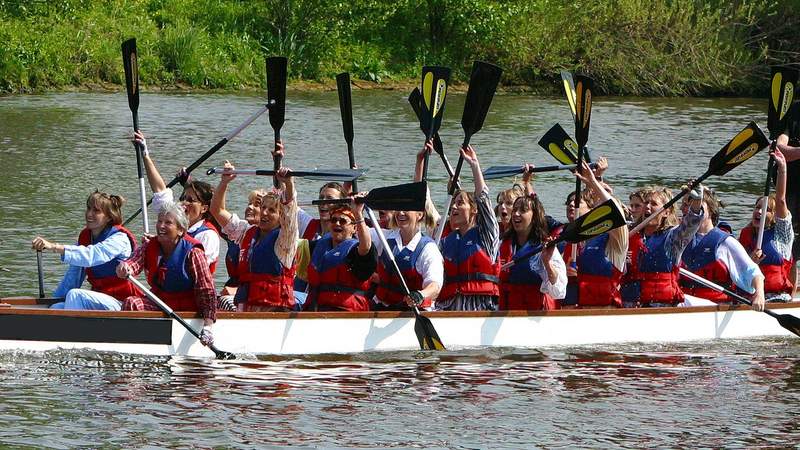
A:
<point x="56" y="148"/>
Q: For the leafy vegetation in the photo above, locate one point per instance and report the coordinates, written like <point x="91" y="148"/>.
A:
<point x="639" y="47"/>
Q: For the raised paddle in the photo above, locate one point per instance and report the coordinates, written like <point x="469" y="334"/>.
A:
<point x="495" y="172"/>
<point x="276" y="94"/>
<point x="346" y="108"/>
<point x="131" y="66"/>
<point x="569" y="90"/>
<point x="787" y="321"/>
<point x="434" y="94"/>
<point x="600" y="219"/>
<point x="782" y="86"/>
<point x="559" y="145"/>
<point x="742" y="147"/>
<point x="315" y="174"/>
<point x="209" y="153"/>
<point x="400" y="197"/>
<point x="423" y="327"/>
<point x="414" y="99"/>
<point x="41" y="275"/>
<point x="583" y="115"/>
<point x="168" y="311"/>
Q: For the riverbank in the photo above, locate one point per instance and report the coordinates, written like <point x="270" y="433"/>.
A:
<point x="630" y="47"/>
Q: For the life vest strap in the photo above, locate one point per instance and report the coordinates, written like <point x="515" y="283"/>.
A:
<point x="461" y="278"/>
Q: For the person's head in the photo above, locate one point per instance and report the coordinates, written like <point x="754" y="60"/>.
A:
<point x="505" y="201"/>
<point x="103" y="210"/>
<point x="386" y="218"/>
<point x="570" y="206"/>
<point x="341" y="224"/>
<point x="586" y="202"/>
<point x="756" y="221"/>
<point x="328" y="191"/>
<point x="172" y="223"/>
<point x="635" y="205"/>
<point x="196" y="200"/>
<point x="654" y="198"/>
<point x="252" y="211"/>
<point x="269" y="210"/>
<point x="527" y="220"/>
<point x="463" y="211"/>
<point x="712" y="205"/>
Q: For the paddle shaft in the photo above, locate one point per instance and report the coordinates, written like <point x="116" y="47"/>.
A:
<point x="697" y="278"/>
<point x="208" y="154"/>
<point x="578" y="180"/>
<point x="139" y="169"/>
<point x="530" y="254"/>
<point x="293" y="173"/>
<point x="674" y="200"/>
<point x="41" y="274"/>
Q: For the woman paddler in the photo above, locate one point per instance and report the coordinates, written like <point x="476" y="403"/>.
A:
<point x="266" y="265"/>
<point x="470" y="250"/>
<point x="195" y="200"/>
<point x="176" y="270"/>
<point x="102" y="244"/>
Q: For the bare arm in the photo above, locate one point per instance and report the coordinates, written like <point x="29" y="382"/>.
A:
<point x="362" y="230"/>
<point x="781" y="209"/>
<point x="217" y="207"/>
<point x="471" y="157"/>
<point x="427" y="148"/>
<point x="153" y="176"/>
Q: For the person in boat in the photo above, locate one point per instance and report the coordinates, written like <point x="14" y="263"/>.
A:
<point x="470" y="251"/>
<point x="505" y="203"/>
<point x="342" y="263"/>
<point x="635" y="206"/>
<point x="538" y="282"/>
<point x="630" y="283"/>
<point x="266" y="263"/>
<point x="102" y="244"/>
<point x="311" y="228"/>
<point x="775" y="256"/>
<point x="568" y="253"/>
<point x="658" y="257"/>
<point x="717" y="256"/>
<point x="601" y="261"/>
<point x="176" y="269"/>
<point x="196" y="201"/>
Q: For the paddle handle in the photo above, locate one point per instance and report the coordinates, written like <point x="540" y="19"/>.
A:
<point x="276" y="160"/>
<point x="352" y="160"/>
<point x="529" y="254"/>
<point x="674" y="200"/>
<point x="140" y="171"/>
<point x="41" y="274"/>
<point x="764" y="207"/>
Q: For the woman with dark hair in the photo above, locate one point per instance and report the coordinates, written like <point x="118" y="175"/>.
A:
<point x="102" y="244"/>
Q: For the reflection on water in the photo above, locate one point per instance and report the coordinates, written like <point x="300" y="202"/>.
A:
<point x="716" y="394"/>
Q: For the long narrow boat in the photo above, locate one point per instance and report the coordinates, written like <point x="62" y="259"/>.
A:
<point x="27" y="324"/>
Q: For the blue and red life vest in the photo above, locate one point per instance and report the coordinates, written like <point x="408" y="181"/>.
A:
<point x="390" y="290"/>
<point x="700" y="257"/>
<point x="312" y="231"/>
<point x="468" y="269"/>
<point x="598" y="278"/>
<point x="103" y="278"/>
<point x="775" y="268"/>
<point x="331" y="282"/>
<point x="168" y="277"/>
<point x="232" y="263"/>
<point x="263" y="276"/>
<point x="520" y="285"/>
<point x="206" y="226"/>
<point x="657" y="272"/>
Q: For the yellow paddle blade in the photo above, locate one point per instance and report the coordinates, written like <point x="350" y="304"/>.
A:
<point x="558" y="143"/>
<point x="427" y="90"/>
<point x="742" y="147"/>
<point x="601" y="219"/>
<point x="569" y="89"/>
<point x="441" y="91"/>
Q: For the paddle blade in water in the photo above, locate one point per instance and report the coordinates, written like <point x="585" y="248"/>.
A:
<point x="276" y="90"/>
<point x="569" y="89"/>
<point x="434" y="93"/>
<point x="789" y="322"/>
<point x="345" y="105"/>
<point x="131" y="65"/>
<point x="401" y="197"/>
<point x="558" y="143"/>
<point x="742" y="147"/>
<point x="783" y="82"/>
<point x="482" y="86"/>
<point x="583" y="108"/>
<point x="426" y="334"/>
<point x="601" y="219"/>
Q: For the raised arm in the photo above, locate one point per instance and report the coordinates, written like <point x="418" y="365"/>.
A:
<point x="471" y="157"/>
<point x="781" y="209"/>
<point x="153" y="176"/>
<point x="286" y="244"/>
<point x="527" y="179"/>
<point x="426" y="149"/>
<point x="217" y="207"/>
<point x="362" y="230"/>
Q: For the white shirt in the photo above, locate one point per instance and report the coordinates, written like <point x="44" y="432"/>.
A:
<point x="740" y="266"/>
<point x="430" y="263"/>
<point x="209" y="238"/>
<point x="557" y="290"/>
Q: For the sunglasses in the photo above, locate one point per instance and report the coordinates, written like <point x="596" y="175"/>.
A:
<point x="340" y="221"/>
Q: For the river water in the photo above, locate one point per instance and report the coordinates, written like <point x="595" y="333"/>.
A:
<point x="56" y="148"/>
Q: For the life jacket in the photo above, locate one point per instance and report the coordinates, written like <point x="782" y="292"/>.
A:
<point x="565" y="248"/>
<point x="658" y="273"/>
<point x="390" y="290"/>
<point x="207" y="225"/>
<point x="103" y="278"/>
<point x="168" y="277"/>
<point x="775" y="268"/>
<point x="313" y="229"/>
<point x="468" y="269"/>
<point x="598" y="278"/>
<point x="268" y="282"/>
<point x="232" y="263"/>
<point x="520" y="285"/>
<point x="700" y="257"/>
<point x="630" y="284"/>
<point x="330" y="280"/>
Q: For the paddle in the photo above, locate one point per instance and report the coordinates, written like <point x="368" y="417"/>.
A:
<point x="782" y="86"/>
<point x="423" y="327"/>
<point x="742" y="147"/>
<point x="787" y="321"/>
<point x="131" y="66"/>
<point x="600" y="219"/>
<point x="168" y="311"/>
<point x="276" y="94"/>
<point x="209" y="153"/>
<point x="346" y="108"/>
<point x="560" y="146"/>
<point x="414" y="99"/>
<point x="569" y="89"/>
<point x="583" y="115"/>
<point x="400" y="197"/>
<point x="496" y="172"/>
<point x="314" y="174"/>
<point x="434" y="93"/>
<point x="41" y="275"/>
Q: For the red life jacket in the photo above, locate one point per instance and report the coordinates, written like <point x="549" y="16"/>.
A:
<point x="658" y="273"/>
<point x="390" y="289"/>
<point x="263" y="276"/>
<point x="598" y="278"/>
<point x="700" y="257"/>
<point x="520" y="285"/>
<point x="103" y="278"/>
<point x="207" y="225"/>
<point x="468" y="269"/>
<point x="168" y="277"/>
<point x="330" y="280"/>
<point x="776" y="269"/>
<point x="312" y="230"/>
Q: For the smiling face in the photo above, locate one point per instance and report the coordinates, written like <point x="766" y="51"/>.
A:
<point x="96" y="218"/>
<point x="193" y="206"/>
<point x="505" y="203"/>
<point x="521" y="217"/>
<point x="168" y="231"/>
<point x="462" y="213"/>
<point x="324" y="214"/>
<point x="341" y="227"/>
<point x="269" y="213"/>
<point x="252" y="213"/>
<point x="408" y="220"/>
<point x="756" y="218"/>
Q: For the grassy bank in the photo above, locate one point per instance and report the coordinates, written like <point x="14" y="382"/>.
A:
<point x="641" y="47"/>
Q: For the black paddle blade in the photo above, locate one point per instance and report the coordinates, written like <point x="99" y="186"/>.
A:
<point x="495" y="172"/>
<point x="276" y="91"/>
<point x="602" y="218"/>
<point x="426" y="334"/>
<point x="345" y="106"/>
<point x="558" y="143"/>
<point x="569" y="89"/>
<point x="434" y="93"/>
<point x="131" y="66"/>
<point x="583" y="108"/>
<point x="482" y="86"/>
<point x="789" y="322"/>
<point x="414" y="99"/>
<point x="742" y="147"/>
<point x="222" y="354"/>
<point x="781" y="94"/>
<point x="401" y="197"/>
